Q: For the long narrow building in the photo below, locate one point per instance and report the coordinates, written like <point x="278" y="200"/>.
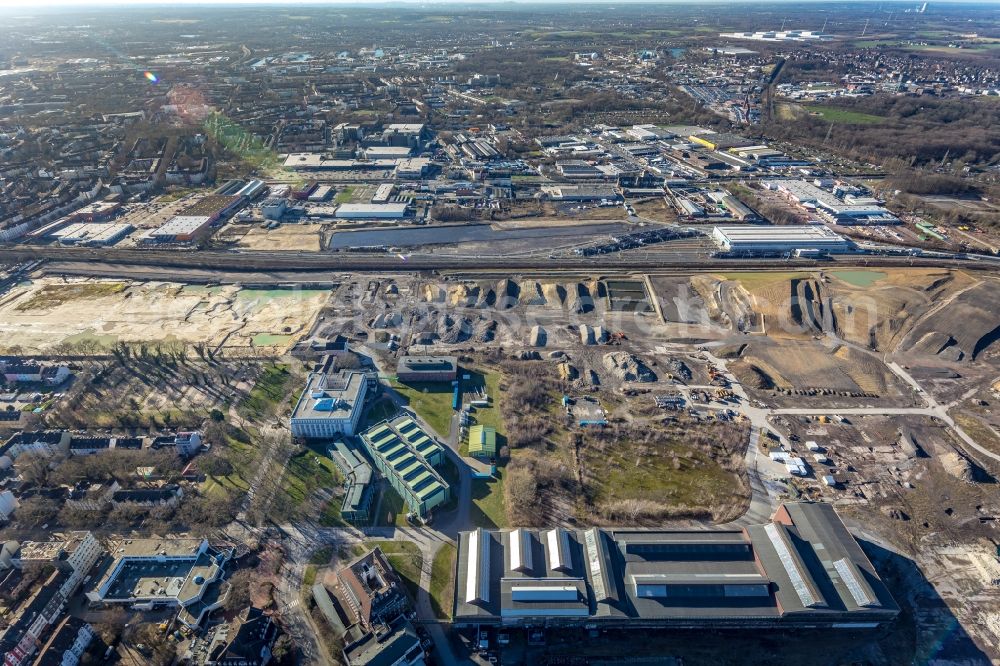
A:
<point x="407" y="457"/>
<point x="803" y="568"/>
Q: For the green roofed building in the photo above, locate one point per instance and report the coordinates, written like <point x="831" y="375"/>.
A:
<point x="483" y="441"/>
<point x="407" y="456"/>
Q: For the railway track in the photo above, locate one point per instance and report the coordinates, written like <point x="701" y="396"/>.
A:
<point x="118" y="262"/>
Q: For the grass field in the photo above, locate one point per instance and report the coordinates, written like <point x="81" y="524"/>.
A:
<point x="240" y="455"/>
<point x="678" y="479"/>
<point x="382" y="410"/>
<point x="486" y="416"/>
<point x="405" y="558"/>
<point x="442" y="586"/>
<point x="859" y="278"/>
<point x="308" y="471"/>
<point x="756" y="280"/>
<point x="269" y="391"/>
<point x="487" y="508"/>
<point x="431" y="401"/>
<point x="838" y="115"/>
<point x="344" y="196"/>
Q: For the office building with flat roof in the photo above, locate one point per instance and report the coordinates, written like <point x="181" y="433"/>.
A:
<point x="330" y="405"/>
<point x="407" y="456"/>
<point x="158" y="572"/>
<point x="803" y="568"/>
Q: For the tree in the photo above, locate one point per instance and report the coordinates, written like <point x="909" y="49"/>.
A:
<point x="35" y="512"/>
<point x="34" y="467"/>
<point x="239" y="591"/>
<point x="283" y="652"/>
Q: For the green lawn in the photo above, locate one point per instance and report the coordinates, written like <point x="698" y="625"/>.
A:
<point x="241" y="455"/>
<point x="330" y="515"/>
<point x="626" y="472"/>
<point x="751" y="280"/>
<point x="487" y="508"/>
<point x="442" y="586"/>
<point x="487" y="416"/>
<point x="382" y="410"/>
<point x="344" y="196"/>
<point x="393" y="511"/>
<point x="431" y="401"/>
<point x="308" y="471"/>
<point x="405" y="558"/>
<point x="837" y="115"/>
<point x="269" y="391"/>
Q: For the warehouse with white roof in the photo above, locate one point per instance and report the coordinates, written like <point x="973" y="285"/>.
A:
<point x="778" y="240"/>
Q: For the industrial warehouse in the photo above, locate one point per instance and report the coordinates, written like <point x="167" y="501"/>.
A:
<point x="801" y="240"/>
<point x="802" y="569"/>
<point x="407" y="456"/>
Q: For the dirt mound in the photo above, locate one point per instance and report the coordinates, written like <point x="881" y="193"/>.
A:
<point x="628" y="367"/>
<point x="752" y="375"/>
<point x="532" y="294"/>
<point x="881" y="316"/>
<point x="807" y="308"/>
<point x="487" y="298"/>
<point x="508" y="294"/>
<point x="731" y="351"/>
<point x="583" y="300"/>
<point x="538" y="336"/>
<point x="678" y="369"/>
<point x="962" y="328"/>
<point x="593" y="335"/>
<point x="554" y="294"/>
<point x="451" y="330"/>
<point x="387" y="320"/>
<point x="486" y="331"/>
<point x="936" y="343"/>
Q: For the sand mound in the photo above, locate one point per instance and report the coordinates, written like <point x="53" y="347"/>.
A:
<point x="463" y="295"/>
<point x="433" y="293"/>
<point x="567" y="372"/>
<point x="956" y="465"/>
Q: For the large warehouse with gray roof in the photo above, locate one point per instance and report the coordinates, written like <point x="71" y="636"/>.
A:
<point x="802" y="568"/>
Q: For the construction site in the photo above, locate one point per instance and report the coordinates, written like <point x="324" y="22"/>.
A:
<point x="652" y="399"/>
<point x="50" y="314"/>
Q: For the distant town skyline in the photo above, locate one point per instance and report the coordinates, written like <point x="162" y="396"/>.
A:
<point x="17" y="4"/>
